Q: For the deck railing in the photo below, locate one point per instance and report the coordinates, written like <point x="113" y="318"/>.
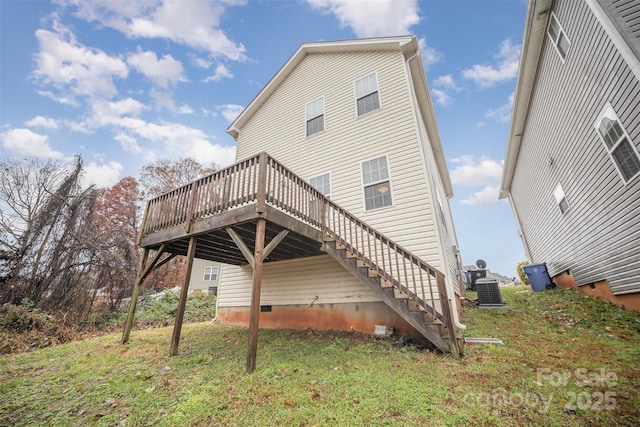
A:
<point x="262" y="180"/>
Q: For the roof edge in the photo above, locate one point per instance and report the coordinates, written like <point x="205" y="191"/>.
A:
<point x="536" y="20"/>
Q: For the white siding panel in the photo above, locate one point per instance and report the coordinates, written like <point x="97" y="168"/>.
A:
<point x="297" y="281"/>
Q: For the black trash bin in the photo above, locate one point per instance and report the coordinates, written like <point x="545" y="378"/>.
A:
<point x="538" y="276"/>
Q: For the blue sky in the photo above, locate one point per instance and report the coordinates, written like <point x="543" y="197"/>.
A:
<point x="125" y="83"/>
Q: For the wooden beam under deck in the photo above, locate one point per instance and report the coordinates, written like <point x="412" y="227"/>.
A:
<point x="295" y="238"/>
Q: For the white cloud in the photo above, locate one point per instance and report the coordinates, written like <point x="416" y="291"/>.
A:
<point x="230" y="111"/>
<point x="185" y="109"/>
<point x="128" y="143"/>
<point x="374" y="18"/>
<point x="447" y="81"/>
<point x="502" y="113"/>
<point x="220" y="73"/>
<point x="441" y="97"/>
<point x="26" y="142"/>
<point x="72" y="68"/>
<point x="471" y="172"/>
<point x="483" y="198"/>
<point x="505" y="69"/>
<point x="200" y="62"/>
<point x="59" y="98"/>
<point x="162" y="99"/>
<point x="42" y="122"/>
<point x="162" y="72"/>
<point x="428" y="54"/>
<point x="176" y="139"/>
<point x="102" y="176"/>
<point x="195" y="23"/>
<point x="441" y="85"/>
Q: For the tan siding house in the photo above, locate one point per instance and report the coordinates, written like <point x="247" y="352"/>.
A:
<point x="353" y="118"/>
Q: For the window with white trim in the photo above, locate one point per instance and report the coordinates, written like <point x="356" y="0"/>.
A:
<point x="618" y="144"/>
<point x="376" y="183"/>
<point x="314" y="116"/>
<point x="561" y="199"/>
<point x="210" y="274"/>
<point x="322" y="183"/>
<point x="558" y="36"/>
<point x="367" y="98"/>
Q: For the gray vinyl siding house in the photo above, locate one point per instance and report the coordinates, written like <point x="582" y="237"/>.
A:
<point x="572" y="169"/>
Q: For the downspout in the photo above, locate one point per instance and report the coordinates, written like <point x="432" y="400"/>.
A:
<point x="450" y="290"/>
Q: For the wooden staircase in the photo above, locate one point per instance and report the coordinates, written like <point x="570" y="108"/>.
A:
<point x="262" y="189"/>
<point x="429" y="317"/>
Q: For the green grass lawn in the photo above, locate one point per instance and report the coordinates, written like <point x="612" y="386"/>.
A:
<point x="568" y="360"/>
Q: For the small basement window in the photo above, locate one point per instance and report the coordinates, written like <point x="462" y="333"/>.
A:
<point x="561" y="199"/>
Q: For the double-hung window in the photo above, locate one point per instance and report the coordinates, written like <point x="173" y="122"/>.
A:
<point x="210" y="274"/>
<point x="618" y="144"/>
<point x="322" y="183"/>
<point x="367" y="98"/>
<point x="377" y="183"/>
<point x="558" y="37"/>
<point x="315" y="116"/>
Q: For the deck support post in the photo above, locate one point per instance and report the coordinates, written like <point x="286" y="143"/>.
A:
<point x="128" y="324"/>
<point x="177" y="327"/>
<point x="254" y="315"/>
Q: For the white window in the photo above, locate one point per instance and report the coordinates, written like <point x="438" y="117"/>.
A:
<point x="558" y="37"/>
<point x="314" y="116"/>
<point x="322" y="183"/>
<point x="618" y="144"/>
<point x="367" y="98"/>
<point x="377" y="183"/>
<point x="211" y="273"/>
<point x="561" y="199"/>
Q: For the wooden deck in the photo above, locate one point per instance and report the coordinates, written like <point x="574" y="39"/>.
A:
<point x="257" y="211"/>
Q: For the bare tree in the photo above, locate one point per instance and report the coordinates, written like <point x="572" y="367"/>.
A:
<point x="158" y="178"/>
<point x="45" y="222"/>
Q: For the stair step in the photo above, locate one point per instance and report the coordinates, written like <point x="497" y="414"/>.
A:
<point x="398" y="294"/>
<point x="340" y="246"/>
<point x="430" y="320"/>
<point x="328" y="237"/>
<point x="351" y="255"/>
<point x="414" y="305"/>
<point x="373" y="273"/>
<point x="384" y="283"/>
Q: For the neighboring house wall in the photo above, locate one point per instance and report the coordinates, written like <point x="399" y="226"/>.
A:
<point x="205" y="276"/>
<point x="392" y="131"/>
<point x="596" y="238"/>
